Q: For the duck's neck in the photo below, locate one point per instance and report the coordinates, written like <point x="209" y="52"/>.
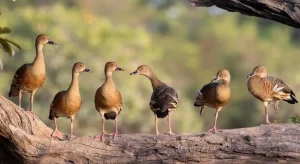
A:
<point x="74" y="86"/>
<point x="108" y="78"/>
<point x="155" y="82"/>
<point x="38" y="65"/>
<point x="225" y="82"/>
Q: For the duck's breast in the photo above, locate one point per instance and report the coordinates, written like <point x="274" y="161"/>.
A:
<point x="260" y="88"/>
<point x="31" y="81"/>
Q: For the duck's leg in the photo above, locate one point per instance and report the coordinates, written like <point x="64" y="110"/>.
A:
<point x="116" y="132"/>
<point x="266" y="112"/>
<point x="202" y="110"/>
<point x="156" y="127"/>
<point x="276" y="106"/>
<point x="214" y="129"/>
<point x="71" y="126"/>
<point x="20" y="99"/>
<point x="169" y="123"/>
<point x="31" y="104"/>
<point x="56" y="132"/>
<point x="103" y="129"/>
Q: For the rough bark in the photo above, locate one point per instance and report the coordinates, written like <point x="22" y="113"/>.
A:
<point x="283" y="11"/>
<point x="24" y="140"/>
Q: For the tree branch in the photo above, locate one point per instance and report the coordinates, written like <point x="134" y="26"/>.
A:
<point x="24" y="140"/>
<point x="283" y="11"/>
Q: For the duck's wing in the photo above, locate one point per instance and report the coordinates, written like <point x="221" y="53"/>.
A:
<point x="164" y="99"/>
<point x="17" y="80"/>
<point x="56" y="104"/>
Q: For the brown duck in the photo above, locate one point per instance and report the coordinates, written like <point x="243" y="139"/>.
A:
<point x="108" y="99"/>
<point x="269" y="89"/>
<point x="30" y="77"/>
<point x="68" y="102"/>
<point x="164" y="99"/>
<point x="215" y="94"/>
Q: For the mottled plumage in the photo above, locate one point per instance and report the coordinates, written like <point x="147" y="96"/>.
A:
<point x="164" y="99"/>
<point x="30" y="77"/>
<point x="108" y="99"/>
<point x="215" y="94"/>
<point x="268" y="89"/>
<point x="67" y="103"/>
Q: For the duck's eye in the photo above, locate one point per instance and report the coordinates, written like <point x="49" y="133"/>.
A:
<point x="43" y="37"/>
<point x="80" y="65"/>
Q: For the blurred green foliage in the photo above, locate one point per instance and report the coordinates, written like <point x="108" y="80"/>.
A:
<point x="184" y="45"/>
<point x="295" y="118"/>
<point x="5" y="44"/>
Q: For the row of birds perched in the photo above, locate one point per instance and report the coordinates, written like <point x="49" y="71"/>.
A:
<point x="164" y="99"/>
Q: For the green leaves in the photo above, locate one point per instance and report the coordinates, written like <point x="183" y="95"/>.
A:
<point x="295" y="118"/>
<point x="5" y="30"/>
<point x="6" y="44"/>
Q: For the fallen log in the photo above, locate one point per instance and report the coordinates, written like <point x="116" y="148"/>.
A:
<point x="24" y="140"/>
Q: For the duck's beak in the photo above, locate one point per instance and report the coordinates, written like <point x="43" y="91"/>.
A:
<point x="87" y="70"/>
<point x="51" y="42"/>
<point x="251" y="75"/>
<point x="119" y="69"/>
<point x="134" y="73"/>
<point x="216" y="78"/>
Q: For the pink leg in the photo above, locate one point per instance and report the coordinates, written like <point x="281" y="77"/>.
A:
<point x="103" y="130"/>
<point x="214" y="129"/>
<point x="169" y="123"/>
<point x="202" y="110"/>
<point x="116" y="132"/>
<point x="31" y="105"/>
<point x="56" y="132"/>
<point x="20" y="98"/>
<point x="156" y="127"/>
<point x="276" y="106"/>
<point x="71" y="126"/>
<point x="266" y="112"/>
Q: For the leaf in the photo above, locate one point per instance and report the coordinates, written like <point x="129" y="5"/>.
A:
<point x="6" y="47"/>
<point x="5" y="30"/>
<point x="13" y="43"/>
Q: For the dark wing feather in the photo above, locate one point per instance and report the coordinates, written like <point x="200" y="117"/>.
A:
<point x="16" y="81"/>
<point x="280" y="83"/>
<point x="163" y="99"/>
<point x="204" y="95"/>
<point x="208" y="86"/>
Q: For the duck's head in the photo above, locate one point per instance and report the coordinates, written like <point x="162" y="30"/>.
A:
<point x="80" y="67"/>
<point x="143" y="70"/>
<point x="43" y="39"/>
<point x="112" y="66"/>
<point x="259" y="71"/>
<point x="223" y="74"/>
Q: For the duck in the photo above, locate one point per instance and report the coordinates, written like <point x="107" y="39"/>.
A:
<point x="67" y="103"/>
<point x="164" y="99"/>
<point x="215" y="94"/>
<point x="31" y="76"/>
<point x="108" y="99"/>
<point x="269" y="89"/>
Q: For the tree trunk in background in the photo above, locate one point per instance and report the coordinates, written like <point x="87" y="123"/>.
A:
<point x="283" y="11"/>
<point x="24" y="140"/>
